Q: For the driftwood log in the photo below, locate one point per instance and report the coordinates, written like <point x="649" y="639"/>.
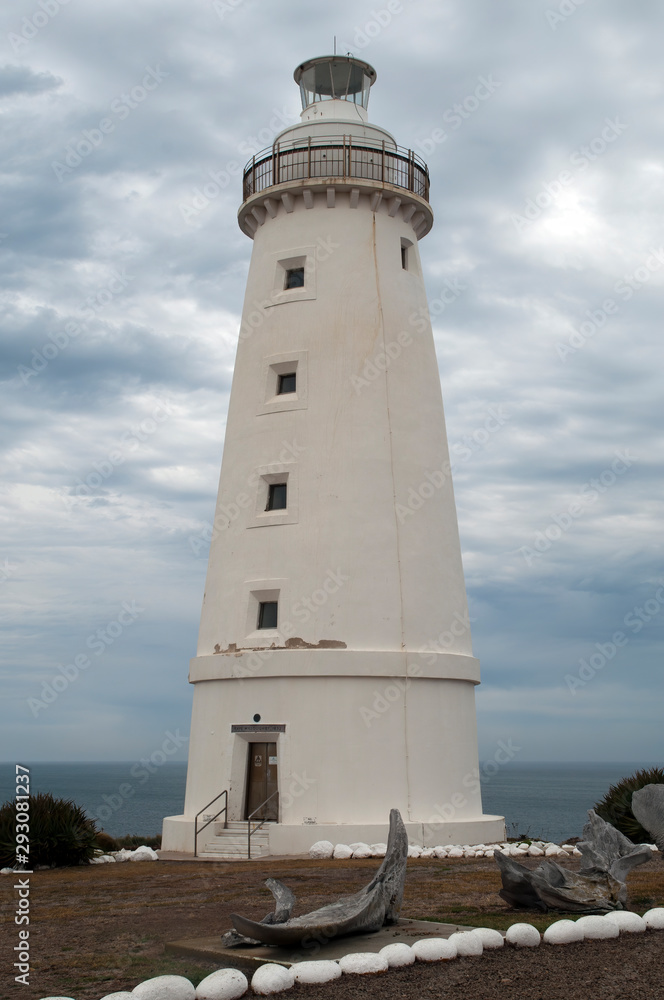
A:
<point x="599" y="887"/>
<point x="365" y="911"/>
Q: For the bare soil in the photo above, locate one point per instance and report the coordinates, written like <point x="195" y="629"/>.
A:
<point x="101" y="929"/>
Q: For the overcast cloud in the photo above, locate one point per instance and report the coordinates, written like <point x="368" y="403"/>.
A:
<point x="543" y="127"/>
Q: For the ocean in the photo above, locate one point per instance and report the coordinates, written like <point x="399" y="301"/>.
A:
<point x="543" y="801"/>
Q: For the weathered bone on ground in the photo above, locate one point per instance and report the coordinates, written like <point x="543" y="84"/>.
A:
<point x="285" y="901"/>
<point x="648" y="807"/>
<point x="365" y="911"/>
<point x="599" y="887"/>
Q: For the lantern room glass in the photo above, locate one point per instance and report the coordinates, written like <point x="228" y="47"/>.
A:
<point x="340" y="78"/>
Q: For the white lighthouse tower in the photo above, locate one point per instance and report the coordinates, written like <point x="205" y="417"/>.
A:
<point x="334" y="676"/>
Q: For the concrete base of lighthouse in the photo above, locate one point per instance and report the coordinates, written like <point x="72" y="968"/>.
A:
<point x="178" y="834"/>
<point x="398" y="732"/>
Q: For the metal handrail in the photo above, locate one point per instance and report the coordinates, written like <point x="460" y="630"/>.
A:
<point x="307" y="158"/>
<point x="224" y="810"/>
<point x="251" y="832"/>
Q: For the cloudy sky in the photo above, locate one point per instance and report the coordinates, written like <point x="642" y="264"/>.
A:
<point x="543" y="128"/>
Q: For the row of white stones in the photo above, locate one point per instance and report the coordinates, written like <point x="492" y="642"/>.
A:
<point x="535" y="849"/>
<point x="142" y="853"/>
<point x="229" y="984"/>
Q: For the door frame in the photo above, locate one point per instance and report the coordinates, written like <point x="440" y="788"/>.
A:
<point x="238" y="755"/>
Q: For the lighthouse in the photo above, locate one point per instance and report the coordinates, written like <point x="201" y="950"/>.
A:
<point x="334" y="677"/>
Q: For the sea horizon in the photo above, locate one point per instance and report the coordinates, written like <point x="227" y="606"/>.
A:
<point x="546" y="800"/>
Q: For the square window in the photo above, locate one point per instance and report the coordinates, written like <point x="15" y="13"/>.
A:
<point x="267" y="614"/>
<point x="277" y="496"/>
<point x="286" y="383"/>
<point x="294" y="278"/>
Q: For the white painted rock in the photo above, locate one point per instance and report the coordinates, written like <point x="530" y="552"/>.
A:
<point x="470" y="854"/>
<point x="414" y="851"/>
<point x="316" y="972"/>
<point x="535" y="852"/>
<point x="224" y="984"/>
<point x="321" y="849"/>
<point x="343" y="852"/>
<point x="361" y="850"/>
<point x="164" y="988"/>
<point x="563" y="932"/>
<point x="378" y="850"/>
<point x="576" y="853"/>
<point x="440" y="852"/>
<point x="518" y="852"/>
<point x="554" y="851"/>
<point x="455" y="852"/>
<point x="427" y="852"/>
<point x="628" y="922"/>
<point x="434" y="950"/>
<point x="568" y="848"/>
<point x="490" y="938"/>
<point x="363" y="962"/>
<point x="272" y="979"/>
<point x="467" y="943"/>
<point x="595" y="928"/>
<point x="144" y="853"/>
<point x="523" y="936"/>
<point x="397" y="954"/>
<point x="655" y="918"/>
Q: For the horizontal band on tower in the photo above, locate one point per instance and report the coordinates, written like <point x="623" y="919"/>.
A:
<point x="351" y="663"/>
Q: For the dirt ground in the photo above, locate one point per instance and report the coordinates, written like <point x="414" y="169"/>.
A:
<point x="103" y="928"/>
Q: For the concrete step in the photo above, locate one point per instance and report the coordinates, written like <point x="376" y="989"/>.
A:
<point x="231" y="842"/>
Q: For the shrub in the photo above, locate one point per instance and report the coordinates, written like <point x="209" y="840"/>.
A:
<point x="616" y="806"/>
<point x="60" y="832"/>
<point x="106" y="842"/>
<point x="133" y="840"/>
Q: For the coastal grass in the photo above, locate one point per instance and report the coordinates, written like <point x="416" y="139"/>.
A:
<point x="98" y="929"/>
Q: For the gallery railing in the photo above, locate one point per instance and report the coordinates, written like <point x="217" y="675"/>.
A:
<point x="339" y="157"/>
